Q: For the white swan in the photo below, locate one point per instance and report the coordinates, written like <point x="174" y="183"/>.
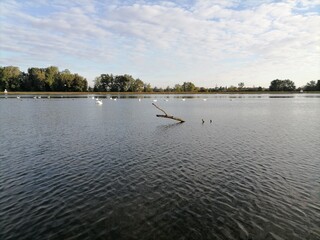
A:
<point x="99" y="102"/>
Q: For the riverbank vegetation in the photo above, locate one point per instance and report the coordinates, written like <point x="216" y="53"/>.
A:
<point x="41" y="79"/>
<point x="50" y="79"/>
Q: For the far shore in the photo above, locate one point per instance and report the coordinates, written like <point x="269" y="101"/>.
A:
<point x="153" y="93"/>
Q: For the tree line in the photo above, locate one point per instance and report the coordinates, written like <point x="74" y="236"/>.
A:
<point x="126" y="83"/>
<point x="288" y="85"/>
<point x="51" y="79"/>
<point x="41" y="79"/>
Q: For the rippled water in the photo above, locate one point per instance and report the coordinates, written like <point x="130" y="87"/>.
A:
<point x="71" y="169"/>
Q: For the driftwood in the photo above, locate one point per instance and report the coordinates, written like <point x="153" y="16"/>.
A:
<point x="167" y="116"/>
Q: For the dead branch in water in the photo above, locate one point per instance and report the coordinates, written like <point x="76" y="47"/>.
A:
<point x="167" y="116"/>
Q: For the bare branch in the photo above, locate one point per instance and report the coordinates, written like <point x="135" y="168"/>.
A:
<point x="159" y="109"/>
<point x="166" y="115"/>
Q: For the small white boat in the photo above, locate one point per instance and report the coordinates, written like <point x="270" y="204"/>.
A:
<point x="5" y="91"/>
<point x="18" y="97"/>
<point x="204" y="99"/>
<point x="183" y="99"/>
<point x="155" y="100"/>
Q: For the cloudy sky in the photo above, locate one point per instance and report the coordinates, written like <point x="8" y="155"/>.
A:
<point x="207" y="42"/>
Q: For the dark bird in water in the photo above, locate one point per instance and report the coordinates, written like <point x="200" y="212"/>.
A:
<point x="202" y="121"/>
<point x="210" y="121"/>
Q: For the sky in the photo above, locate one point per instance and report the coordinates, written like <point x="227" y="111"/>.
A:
<point x="207" y="42"/>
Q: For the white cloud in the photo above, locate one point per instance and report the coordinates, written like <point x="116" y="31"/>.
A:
<point x="221" y="41"/>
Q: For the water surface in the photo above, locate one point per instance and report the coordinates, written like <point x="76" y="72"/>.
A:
<point x="71" y="169"/>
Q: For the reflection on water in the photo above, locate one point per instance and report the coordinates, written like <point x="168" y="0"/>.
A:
<point x="70" y="169"/>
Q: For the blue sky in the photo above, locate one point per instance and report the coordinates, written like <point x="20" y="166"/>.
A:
<point x="208" y="42"/>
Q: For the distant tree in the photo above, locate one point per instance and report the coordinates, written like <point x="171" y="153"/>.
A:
<point x="240" y="85"/>
<point x="147" y="87"/>
<point x="37" y="77"/>
<point x="64" y="81"/>
<point x="311" y="86"/>
<point x="275" y="85"/>
<point x="138" y="86"/>
<point x="156" y="89"/>
<point x="232" y="88"/>
<point x="79" y="84"/>
<point x="10" y="78"/>
<point x="51" y="74"/>
<point x="282" y="85"/>
<point x="177" y="88"/>
<point x="188" y="87"/>
<point x="104" y="83"/>
<point x="318" y="85"/>
<point x="122" y="83"/>
<point x="202" y="89"/>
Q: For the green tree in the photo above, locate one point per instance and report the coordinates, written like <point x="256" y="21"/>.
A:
<point x="138" y="85"/>
<point x="318" y="85"/>
<point x="188" y="87"/>
<point x="10" y="78"/>
<point x="37" y="77"/>
<point x="122" y="83"/>
<point x="232" y="88"/>
<point x="177" y="88"/>
<point x="51" y="74"/>
<point x="104" y="82"/>
<point x="282" y="85"/>
<point x="64" y="81"/>
<point x="79" y="84"/>
<point x="240" y="86"/>
<point x="147" y="87"/>
<point x="311" y="86"/>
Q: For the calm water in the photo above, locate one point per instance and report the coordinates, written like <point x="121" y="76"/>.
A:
<point x="71" y="169"/>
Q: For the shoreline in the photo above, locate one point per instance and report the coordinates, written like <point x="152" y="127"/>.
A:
<point x="155" y="93"/>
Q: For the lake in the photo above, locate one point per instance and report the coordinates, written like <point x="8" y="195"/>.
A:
<point x="72" y="169"/>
